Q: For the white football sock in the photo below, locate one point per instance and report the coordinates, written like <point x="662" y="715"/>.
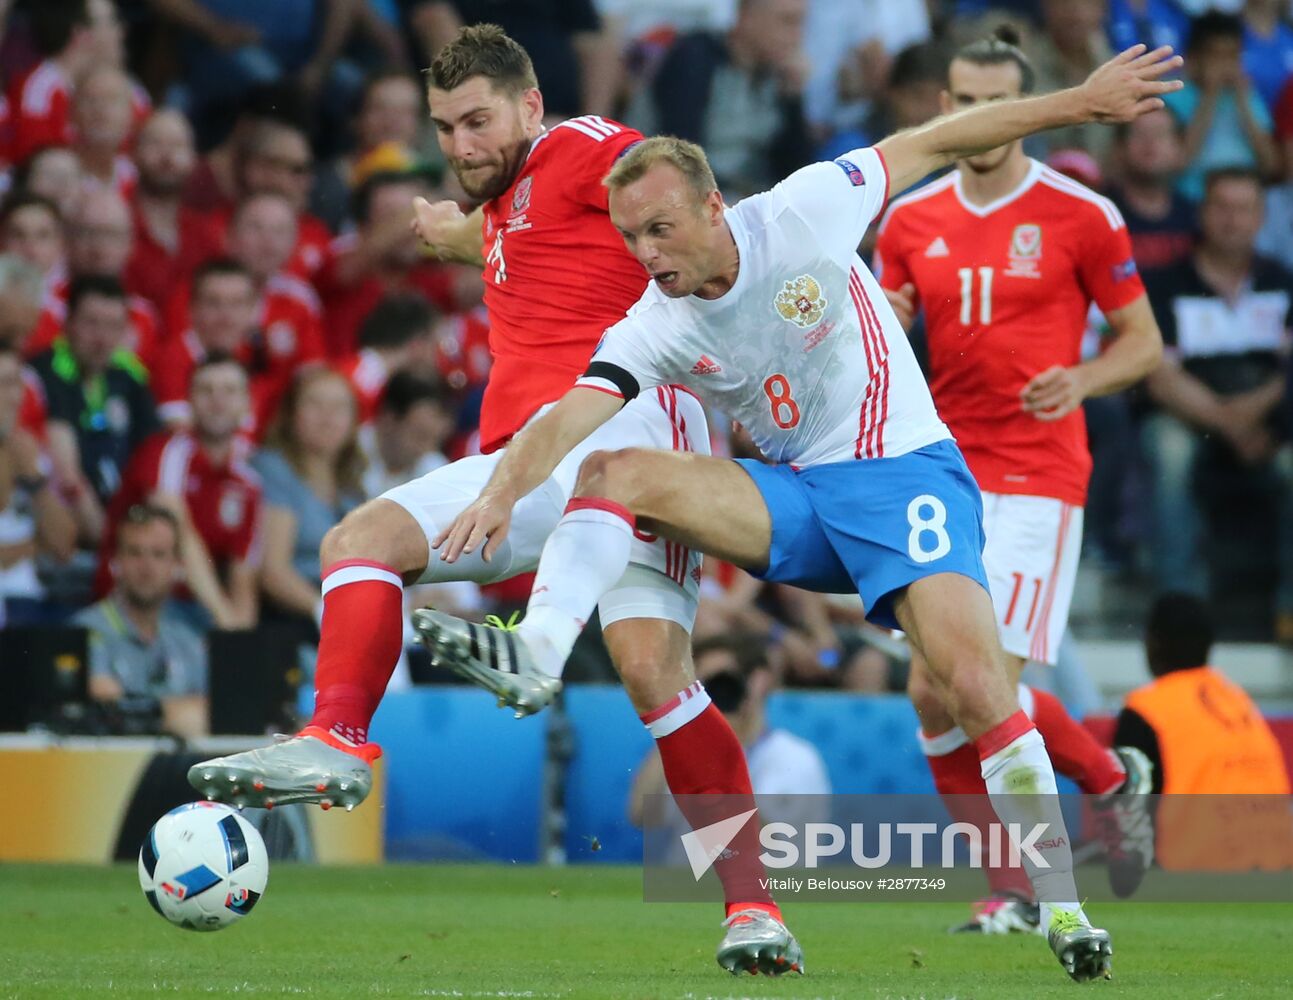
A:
<point x="1021" y="786"/>
<point x="583" y="558"/>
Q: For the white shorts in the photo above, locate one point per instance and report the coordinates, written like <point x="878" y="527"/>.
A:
<point x="1031" y="557"/>
<point x="663" y="578"/>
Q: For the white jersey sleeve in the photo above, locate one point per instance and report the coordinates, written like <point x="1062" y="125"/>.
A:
<point x="628" y="360"/>
<point x="839" y="198"/>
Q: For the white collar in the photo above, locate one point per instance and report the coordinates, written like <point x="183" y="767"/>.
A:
<point x="983" y="211"/>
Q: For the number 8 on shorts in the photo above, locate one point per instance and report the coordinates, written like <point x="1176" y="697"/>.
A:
<point x="928" y="539"/>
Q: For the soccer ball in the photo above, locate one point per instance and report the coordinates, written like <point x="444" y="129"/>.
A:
<point x="202" y="866"/>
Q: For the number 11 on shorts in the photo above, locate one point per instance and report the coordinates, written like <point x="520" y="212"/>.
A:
<point x="1014" y="600"/>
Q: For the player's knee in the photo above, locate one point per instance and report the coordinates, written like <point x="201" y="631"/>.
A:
<point x="637" y="670"/>
<point x="650" y="678"/>
<point x="614" y="475"/>
<point x="374" y="532"/>
<point x="973" y="686"/>
<point x="343" y="541"/>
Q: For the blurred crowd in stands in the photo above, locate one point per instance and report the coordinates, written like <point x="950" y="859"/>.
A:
<point x="218" y="334"/>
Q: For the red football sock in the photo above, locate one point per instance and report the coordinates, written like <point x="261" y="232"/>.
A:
<point x="958" y="777"/>
<point x="1074" y="752"/>
<point x="702" y="756"/>
<point x="359" y="644"/>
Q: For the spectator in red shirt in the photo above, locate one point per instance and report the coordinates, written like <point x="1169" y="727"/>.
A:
<point x="398" y="329"/>
<point x="201" y="476"/>
<point x="52" y="172"/>
<point x="104" y="118"/>
<point x="223" y="318"/>
<point x="72" y="35"/>
<point x="261" y="237"/>
<point x="381" y="257"/>
<point x="277" y="159"/>
<point x="31" y="227"/>
<point x="228" y="315"/>
<point x="99" y="241"/>
<point x="171" y="239"/>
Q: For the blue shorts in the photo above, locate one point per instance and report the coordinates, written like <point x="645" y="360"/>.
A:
<point x="873" y="527"/>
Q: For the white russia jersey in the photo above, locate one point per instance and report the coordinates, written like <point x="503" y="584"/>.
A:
<point x="803" y="350"/>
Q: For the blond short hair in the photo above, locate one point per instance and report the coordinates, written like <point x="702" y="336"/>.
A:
<point x="685" y="157"/>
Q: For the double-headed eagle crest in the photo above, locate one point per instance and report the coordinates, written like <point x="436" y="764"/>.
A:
<point x="801" y="301"/>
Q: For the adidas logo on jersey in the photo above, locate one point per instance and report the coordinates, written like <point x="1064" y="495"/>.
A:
<point x="937" y="249"/>
<point x="705" y="366"/>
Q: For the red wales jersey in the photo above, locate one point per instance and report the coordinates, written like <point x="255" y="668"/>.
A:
<point x="41" y="105"/>
<point x="286" y="337"/>
<point x="39" y="108"/>
<point x="223" y="500"/>
<point x="1006" y="288"/>
<point x="557" y="273"/>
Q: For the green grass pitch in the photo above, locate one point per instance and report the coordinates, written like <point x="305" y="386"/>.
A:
<point x="504" y="931"/>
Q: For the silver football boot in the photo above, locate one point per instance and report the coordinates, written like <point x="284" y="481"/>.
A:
<point x="1085" y="951"/>
<point x="1002" y="913"/>
<point x="490" y="656"/>
<point x="1124" y="823"/>
<point x="301" y="768"/>
<point x="758" y="942"/>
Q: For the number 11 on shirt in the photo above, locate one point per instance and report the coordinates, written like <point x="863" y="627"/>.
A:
<point x="966" y="275"/>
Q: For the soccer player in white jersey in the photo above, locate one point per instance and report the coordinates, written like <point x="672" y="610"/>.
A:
<point x="766" y="310"/>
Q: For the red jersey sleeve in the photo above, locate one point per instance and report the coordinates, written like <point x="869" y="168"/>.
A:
<point x="590" y="162"/>
<point x="44" y="126"/>
<point x="1106" y="265"/>
<point x="890" y="262"/>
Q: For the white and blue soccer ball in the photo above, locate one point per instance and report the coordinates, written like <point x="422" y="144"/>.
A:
<point x="203" y="867"/>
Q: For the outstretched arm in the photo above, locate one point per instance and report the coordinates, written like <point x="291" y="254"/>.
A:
<point x="1121" y="90"/>
<point x="528" y="460"/>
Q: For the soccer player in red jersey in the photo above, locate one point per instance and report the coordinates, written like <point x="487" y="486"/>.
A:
<point x="557" y="274"/>
<point x="1006" y="256"/>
